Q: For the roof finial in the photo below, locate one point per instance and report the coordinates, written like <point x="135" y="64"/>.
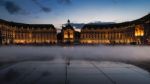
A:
<point x="68" y="21"/>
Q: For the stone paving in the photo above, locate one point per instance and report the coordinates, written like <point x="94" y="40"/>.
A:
<point x="61" y="71"/>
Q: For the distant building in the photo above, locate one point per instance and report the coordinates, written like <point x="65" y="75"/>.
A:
<point x="17" y="33"/>
<point x="133" y="32"/>
<point x="68" y="33"/>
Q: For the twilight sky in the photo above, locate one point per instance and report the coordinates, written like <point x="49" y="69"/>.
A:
<point x="78" y="11"/>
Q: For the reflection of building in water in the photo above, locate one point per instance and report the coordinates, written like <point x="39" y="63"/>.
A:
<point x="137" y="32"/>
<point x="134" y="32"/>
<point x="16" y="33"/>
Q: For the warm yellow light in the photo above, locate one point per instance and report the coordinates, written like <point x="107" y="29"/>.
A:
<point x="65" y="36"/>
<point x="19" y="41"/>
<point x="139" y="33"/>
<point x="47" y="41"/>
<point x="30" y="35"/>
<point x="139" y="30"/>
<point x="71" y="36"/>
<point x="89" y="41"/>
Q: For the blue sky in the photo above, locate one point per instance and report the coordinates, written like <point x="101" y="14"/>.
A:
<point x="78" y="11"/>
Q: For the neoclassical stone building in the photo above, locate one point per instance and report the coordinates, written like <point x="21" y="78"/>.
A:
<point x="137" y="32"/>
<point x="68" y="35"/>
<point x="133" y="32"/>
<point x="18" y="33"/>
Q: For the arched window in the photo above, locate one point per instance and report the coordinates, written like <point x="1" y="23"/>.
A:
<point x="139" y="30"/>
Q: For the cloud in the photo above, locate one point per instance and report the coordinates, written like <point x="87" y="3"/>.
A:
<point x="12" y="7"/>
<point x="43" y="8"/>
<point x="16" y="8"/>
<point x="46" y="9"/>
<point x="64" y="1"/>
<point x="115" y="1"/>
<point x="2" y="2"/>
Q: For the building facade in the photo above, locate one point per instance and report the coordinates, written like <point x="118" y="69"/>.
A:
<point x="134" y="32"/>
<point x="68" y="34"/>
<point x="17" y="33"/>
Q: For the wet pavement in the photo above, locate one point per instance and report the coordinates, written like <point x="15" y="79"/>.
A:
<point x="61" y="71"/>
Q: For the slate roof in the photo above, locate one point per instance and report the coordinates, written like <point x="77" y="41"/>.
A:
<point x="19" y="25"/>
<point x="117" y="25"/>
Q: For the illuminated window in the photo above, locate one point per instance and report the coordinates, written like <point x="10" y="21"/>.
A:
<point x="71" y="34"/>
<point x="139" y="30"/>
<point x="65" y="35"/>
